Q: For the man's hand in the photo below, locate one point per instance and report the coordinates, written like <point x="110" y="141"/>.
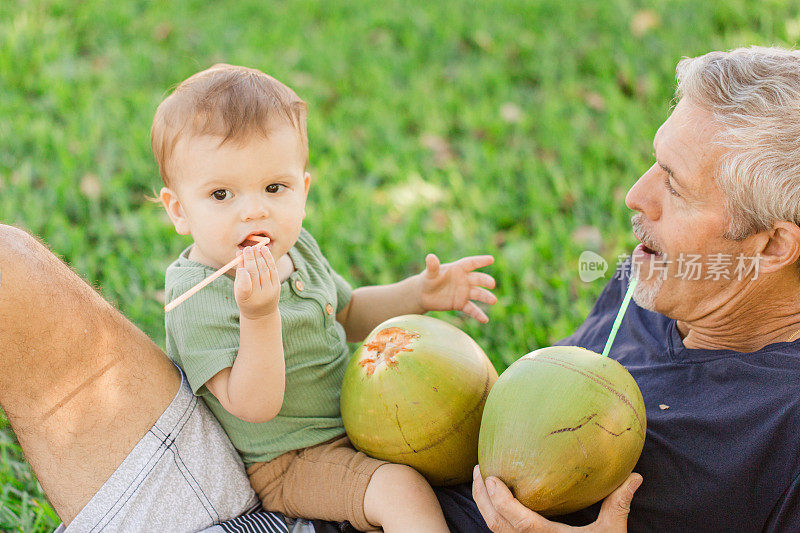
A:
<point x="505" y="514"/>
<point x="453" y="286"/>
<point x="257" y="287"/>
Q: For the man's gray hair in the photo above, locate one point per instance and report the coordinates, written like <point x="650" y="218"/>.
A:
<point x="754" y="93"/>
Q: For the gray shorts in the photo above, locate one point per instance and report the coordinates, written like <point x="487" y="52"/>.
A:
<point x="184" y="475"/>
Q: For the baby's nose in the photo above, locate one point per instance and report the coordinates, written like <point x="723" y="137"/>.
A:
<point x="254" y="209"/>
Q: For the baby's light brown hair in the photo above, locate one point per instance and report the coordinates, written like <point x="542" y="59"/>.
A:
<point x="226" y="101"/>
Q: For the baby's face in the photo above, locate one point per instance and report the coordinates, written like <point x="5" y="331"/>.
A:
<point x="223" y="194"/>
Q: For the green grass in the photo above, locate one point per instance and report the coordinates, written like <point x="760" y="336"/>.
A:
<point x="505" y="127"/>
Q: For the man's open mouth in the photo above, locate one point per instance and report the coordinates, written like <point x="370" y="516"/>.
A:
<point x="652" y="252"/>
<point x="649" y="250"/>
<point x="253" y="239"/>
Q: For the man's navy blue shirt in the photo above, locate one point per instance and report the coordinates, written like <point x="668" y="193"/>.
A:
<point x="722" y="451"/>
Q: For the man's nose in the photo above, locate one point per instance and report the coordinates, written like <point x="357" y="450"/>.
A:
<point x="645" y="196"/>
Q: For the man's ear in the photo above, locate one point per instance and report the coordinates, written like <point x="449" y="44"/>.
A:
<point x="174" y="210"/>
<point x="782" y="247"/>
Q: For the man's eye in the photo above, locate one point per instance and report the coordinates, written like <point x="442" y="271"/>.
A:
<point x="272" y="188"/>
<point x="220" y="194"/>
<point x="671" y="190"/>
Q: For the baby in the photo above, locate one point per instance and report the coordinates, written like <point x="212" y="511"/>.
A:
<point x="267" y="348"/>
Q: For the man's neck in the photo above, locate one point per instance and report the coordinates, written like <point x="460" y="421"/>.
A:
<point x="757" y="316"/>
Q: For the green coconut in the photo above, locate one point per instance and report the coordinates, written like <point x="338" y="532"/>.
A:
<point x="563" y="427"/>
<point x="413" y="393"/>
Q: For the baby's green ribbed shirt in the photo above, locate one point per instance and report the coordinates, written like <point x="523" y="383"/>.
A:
<point x="203" y="338"/>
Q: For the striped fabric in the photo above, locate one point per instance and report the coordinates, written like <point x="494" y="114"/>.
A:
<point x="257" y="520"/>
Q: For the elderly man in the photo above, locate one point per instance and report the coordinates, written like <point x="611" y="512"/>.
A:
<point x="713" y="349"/>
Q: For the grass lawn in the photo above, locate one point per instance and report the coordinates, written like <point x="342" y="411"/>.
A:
<point x="506" y="127"/>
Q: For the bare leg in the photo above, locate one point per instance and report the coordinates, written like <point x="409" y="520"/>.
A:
<point x="80" y="384"/>
<point x="400" y="500"/>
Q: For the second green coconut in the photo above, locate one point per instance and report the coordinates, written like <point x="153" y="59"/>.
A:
<point x="563" y="427"/>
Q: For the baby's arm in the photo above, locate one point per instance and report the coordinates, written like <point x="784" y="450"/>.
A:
<point x="447" y="287"/>
<point x="252" y="389"/>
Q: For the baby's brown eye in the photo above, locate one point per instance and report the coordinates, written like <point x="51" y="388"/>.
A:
<point x="220" y="194"/>
<point x="273" y="188"/>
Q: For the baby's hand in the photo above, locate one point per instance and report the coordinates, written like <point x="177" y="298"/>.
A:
<point x="257" y="288"/>
<point x="452" y="286"/>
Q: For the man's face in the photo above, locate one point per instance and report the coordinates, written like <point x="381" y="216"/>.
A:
<point x="681" y="214"/>
<point x="226" y="193"/>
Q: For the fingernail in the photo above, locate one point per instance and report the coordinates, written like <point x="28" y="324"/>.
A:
<point x="635" y="484"/>
<point x="476" y="472"/>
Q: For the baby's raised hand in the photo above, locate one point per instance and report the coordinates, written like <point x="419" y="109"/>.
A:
<point x="453" y="286"/>
<point x="257" y="287"/>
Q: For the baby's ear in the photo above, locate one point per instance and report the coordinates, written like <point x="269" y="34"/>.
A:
<point x="174" y="210"/>
<point x="306" y="185"/>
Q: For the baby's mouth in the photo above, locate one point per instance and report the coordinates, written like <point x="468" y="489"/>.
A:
<point x="253" y="239"/>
